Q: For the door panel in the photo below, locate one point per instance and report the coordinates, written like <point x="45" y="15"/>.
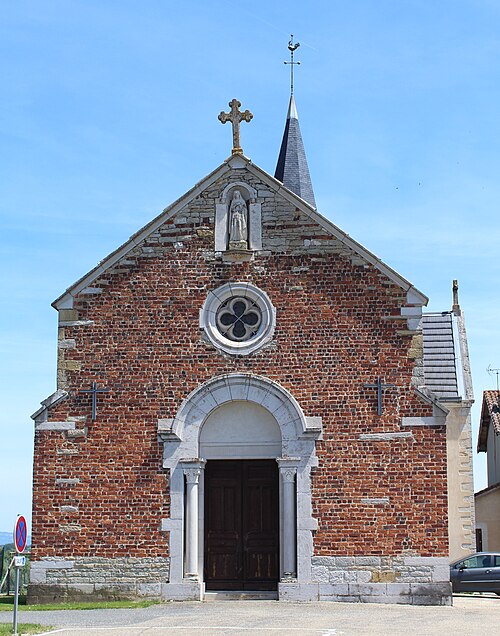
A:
<point x="223" y="525"/>
<point x="260" y="526"/>
<point x="241" y="525"/>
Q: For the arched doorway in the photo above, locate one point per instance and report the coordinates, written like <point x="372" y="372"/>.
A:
<point x="261" y="421"/>
<point x="240" y="442"/>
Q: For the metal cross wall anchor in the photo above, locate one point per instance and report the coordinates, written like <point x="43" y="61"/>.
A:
<point x="235" y="117"/>
<point x="94" y="391"/>
<point x="380" y="386"/>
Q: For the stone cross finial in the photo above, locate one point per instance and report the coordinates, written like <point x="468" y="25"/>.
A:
<point x="235" y="117"/>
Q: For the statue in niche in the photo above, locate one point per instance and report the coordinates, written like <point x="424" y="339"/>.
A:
<point x="238" y="223"/>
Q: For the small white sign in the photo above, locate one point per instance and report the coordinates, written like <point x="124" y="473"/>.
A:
<point x="19" y="561"/>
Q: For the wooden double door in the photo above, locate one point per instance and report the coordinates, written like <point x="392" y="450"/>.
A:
<point x="241" y="525"/>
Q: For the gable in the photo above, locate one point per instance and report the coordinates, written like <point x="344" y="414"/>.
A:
<point x="289" y="225"/>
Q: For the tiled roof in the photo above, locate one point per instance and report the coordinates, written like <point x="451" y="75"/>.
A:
<point x="490" y="414"/>
<point x="292" y="169"/>
<point x="440" y="359"/>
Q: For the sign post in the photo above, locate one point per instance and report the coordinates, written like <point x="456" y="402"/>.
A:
<point x="20" y="541"/>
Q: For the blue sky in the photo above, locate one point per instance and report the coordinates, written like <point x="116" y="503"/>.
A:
<point x="108" y="113"/>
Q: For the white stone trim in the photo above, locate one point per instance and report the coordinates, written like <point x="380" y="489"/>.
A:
<point x="67" y="481"/>
<point x="75" y="323"/>
<point x="384" y="437"/>
<point x="251" y="191"/>
<point x="55" y="426"/>
<point x="413" y="315"/>
<point x="288" y="531"/>
<point x="217" y="297"/>
<point x="375" y="501"/>
<point x="221" y="231"/>
<point x="193" y="472"/>
<point x="314" y="424"/>
<point x="297" y="442"/>
<point x="165" y="432"/>
<point x="429" y="397"/>
<point x="91" y="290"/>
<point x="435" y="420"/>
<point x="242" y="386"/>
<point x="43" y="412"/>
<point x="254" y="217"/>
<point x="255" y="223"/>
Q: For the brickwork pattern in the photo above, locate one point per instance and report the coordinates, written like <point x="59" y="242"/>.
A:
<point x="135" y="332"/>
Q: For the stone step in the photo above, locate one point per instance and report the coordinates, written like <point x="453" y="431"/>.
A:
<point x="240" y="595"/>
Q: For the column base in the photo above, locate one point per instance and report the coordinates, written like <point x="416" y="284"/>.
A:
<point x="292" y="590"/>
<point x="188" y="590"/>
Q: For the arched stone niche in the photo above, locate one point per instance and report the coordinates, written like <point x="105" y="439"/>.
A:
<point x="204" y="420"/>
<point x="249" y="194"/>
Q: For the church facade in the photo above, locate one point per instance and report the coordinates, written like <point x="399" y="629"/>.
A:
<point x="243" y="404"/>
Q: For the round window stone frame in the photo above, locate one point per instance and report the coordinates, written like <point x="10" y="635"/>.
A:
<point x="217" y="297"/>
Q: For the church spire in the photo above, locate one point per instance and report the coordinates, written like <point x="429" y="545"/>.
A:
<point x="292" y="169"/>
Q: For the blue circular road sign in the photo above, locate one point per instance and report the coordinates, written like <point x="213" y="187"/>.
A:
<point x="21" y="534"/>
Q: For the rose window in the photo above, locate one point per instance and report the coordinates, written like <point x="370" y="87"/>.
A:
<point x="239" y="319"/>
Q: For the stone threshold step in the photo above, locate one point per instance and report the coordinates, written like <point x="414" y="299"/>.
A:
<point x="237" y="595"/>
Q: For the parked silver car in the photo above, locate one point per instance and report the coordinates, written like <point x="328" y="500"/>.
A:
<point x="477" y="573"/>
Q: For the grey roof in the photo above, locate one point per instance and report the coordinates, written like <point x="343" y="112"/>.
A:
<point x="292" y="169"/>
<point x="440" y="355"/>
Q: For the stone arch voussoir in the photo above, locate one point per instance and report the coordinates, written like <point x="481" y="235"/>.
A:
<point x="239" y="386"/>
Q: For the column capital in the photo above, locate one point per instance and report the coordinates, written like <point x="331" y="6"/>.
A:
<point x="288" y="474"/>
<point x="288" y="467"/>
<point x="192" y="475"/>
<point x="192" y="469"/>
<point x="288" y="463"/>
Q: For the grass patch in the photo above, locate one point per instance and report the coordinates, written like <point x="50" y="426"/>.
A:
<point x="24" y="628"/>
<point x="7" y="604"/>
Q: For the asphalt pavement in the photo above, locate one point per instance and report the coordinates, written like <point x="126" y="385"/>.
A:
<point x="470" y="615"/>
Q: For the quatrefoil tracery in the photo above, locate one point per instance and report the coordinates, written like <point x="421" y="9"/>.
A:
<point x="239" y="319"/>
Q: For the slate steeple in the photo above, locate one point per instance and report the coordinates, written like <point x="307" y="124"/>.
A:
<point x="292" y="169"/>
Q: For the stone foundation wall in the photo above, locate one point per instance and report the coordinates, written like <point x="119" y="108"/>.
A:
<point x="367" y="579"/>
<point x="57" y="578"/>
<point x="380" y="579"/>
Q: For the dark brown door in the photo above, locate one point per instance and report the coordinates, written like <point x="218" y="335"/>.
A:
<point x="241" y="525"/>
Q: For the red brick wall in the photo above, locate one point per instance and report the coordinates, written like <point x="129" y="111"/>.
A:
<point x="145" y="346"/>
